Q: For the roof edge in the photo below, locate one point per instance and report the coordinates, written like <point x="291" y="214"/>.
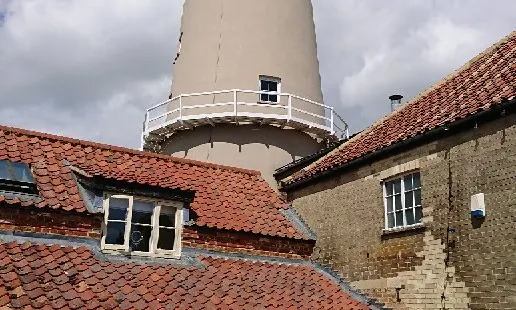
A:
<point x="296" y="183"/>
<point x="353" y="293"/>
<point x="49" y="136"/>
<point x="291" y="180"/>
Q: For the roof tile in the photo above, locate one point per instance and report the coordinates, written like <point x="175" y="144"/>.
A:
<point x="222" y="283"/>
<point x="226" y="197"/>
<point x="467" y="91"/>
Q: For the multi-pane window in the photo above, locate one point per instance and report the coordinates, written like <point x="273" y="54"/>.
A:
<point x="403" y="201"/>
<point x="269" y="89"/>
<point x="16" y="177"/>
<point x="142" y="226"/>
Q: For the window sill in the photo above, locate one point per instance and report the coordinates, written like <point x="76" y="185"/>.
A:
<point x="143" y="255"/>
<point x="402" y="230"/>
<point x="268" y="102"/>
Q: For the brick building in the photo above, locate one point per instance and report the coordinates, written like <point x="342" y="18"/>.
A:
<point x="391" y="207"/>
<point x="91" y="226"/>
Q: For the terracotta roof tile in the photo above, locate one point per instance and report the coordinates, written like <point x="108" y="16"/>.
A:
<point x="482" y="83"/>
<point x="221" y="283"/>
<point x="226" y="197"/>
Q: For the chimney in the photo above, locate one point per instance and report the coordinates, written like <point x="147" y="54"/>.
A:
<point x="395" y="102"/>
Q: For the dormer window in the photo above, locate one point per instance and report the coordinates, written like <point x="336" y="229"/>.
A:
<point x="142" y="226"/>
<point x="270" y="89"/>
<point x="16" y="177"/>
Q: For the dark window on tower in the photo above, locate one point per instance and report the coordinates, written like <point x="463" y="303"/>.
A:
<point x="16" y="177"/>
<point x="270" y="89"/>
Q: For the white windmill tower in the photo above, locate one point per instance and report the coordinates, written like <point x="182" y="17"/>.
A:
<point x="246" y="88"/>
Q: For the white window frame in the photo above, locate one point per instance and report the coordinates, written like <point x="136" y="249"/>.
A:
<point x="154" y="251"/>
<point x="269" y="79"/>
<point x="403" y="207"/>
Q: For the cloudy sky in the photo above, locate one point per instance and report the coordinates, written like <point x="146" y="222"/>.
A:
<point x="89" y="69"/>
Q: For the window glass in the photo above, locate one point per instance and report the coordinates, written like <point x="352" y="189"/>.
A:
<point x="117" y="215"/>
<point x="409" y="201"/>
<point x="4" y="171"/>
<point x="417" y="197"/>
<point x="142" y="212"/>
<point x="273" y="86"/>
<point x="167" y="219"/>
<point x="146" y="229"/>
<point x="397" y="202"/>
<point x="410" y="216"/>
<point x="390" y="220"/>
<point x="118" y="209"/>
<point x="269" y="86"/>
<point x="141" y="225"/>
<point x="403" y="201"/>
<point x="399" y="218"/>
<point x="419" y="214"/>
<point x="166" y="238"/>
<point x="408" y="182"/>
<point x="389" y="204"/>
<point x="417" y="181"/>
<point x="22" y="172"/>
<point x="15" y="171"/>
<point x="167" y="233"/>
<point x="115" y="233"/>
<point x="140" y="237"/>
<point x="397" y="186"/>
<point x="388" y="188"/>
<point x="264" y="85"/>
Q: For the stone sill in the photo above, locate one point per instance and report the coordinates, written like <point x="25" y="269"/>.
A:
<point x="401" y="230"/>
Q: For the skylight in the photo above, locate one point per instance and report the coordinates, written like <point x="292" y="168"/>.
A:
<point x="16" y="177"/>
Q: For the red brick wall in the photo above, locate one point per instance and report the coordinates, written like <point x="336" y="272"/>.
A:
<point x="81" y="225"/>
<point x="247" y="243"/>
<point x="77" y="225"/>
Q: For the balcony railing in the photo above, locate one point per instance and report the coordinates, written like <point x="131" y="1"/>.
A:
<point x="241" y="107"/>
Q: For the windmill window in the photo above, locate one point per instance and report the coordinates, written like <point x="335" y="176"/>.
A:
<point x="270" y="89"/>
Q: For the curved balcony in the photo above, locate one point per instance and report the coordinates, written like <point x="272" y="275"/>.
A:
<point x="241" y="107"/>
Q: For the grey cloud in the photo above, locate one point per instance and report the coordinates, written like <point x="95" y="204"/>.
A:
<point x="88" y="69"/>
<point x="369" y="50"/>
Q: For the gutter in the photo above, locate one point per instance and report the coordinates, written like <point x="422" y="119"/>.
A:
<point x="506" y="107"/>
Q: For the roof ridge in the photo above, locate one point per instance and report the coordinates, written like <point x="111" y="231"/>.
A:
<point x="125" y="149"/>
<point x="336" y="150"/>
<point x="454" y="73"/>
<point x="414" y="100"/>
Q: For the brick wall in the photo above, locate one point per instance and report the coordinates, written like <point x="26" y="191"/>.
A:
<point x="246" y="243"/>
<point x="473" y="266"/>
<point x="77" y="225"/>
<point x="80" y="225"/>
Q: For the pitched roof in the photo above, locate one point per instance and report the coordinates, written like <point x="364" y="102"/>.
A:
<point x="57" y="277"/>
<point x="484" y="82"/>
<point x="225" y="197"/>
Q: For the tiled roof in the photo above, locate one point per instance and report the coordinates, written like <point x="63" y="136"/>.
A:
<point x="482" y="83"/>
<point x="55" y="277"/>
<point x="225" y="197"/>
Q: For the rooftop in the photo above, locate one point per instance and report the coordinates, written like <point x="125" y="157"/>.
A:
<point x="483" y="83"/>
<point x="70" y="276"/>
<point x="225" y="197"/>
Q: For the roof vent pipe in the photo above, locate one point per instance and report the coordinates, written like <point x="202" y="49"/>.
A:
<point x="395" y="102"/>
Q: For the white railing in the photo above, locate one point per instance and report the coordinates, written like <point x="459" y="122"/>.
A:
<point x="189" y="110"/>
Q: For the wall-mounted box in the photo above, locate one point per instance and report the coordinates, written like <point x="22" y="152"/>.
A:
<point x="478" y="206"/>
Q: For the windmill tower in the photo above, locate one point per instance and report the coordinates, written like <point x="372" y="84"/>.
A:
<point x="246" y="88"/>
